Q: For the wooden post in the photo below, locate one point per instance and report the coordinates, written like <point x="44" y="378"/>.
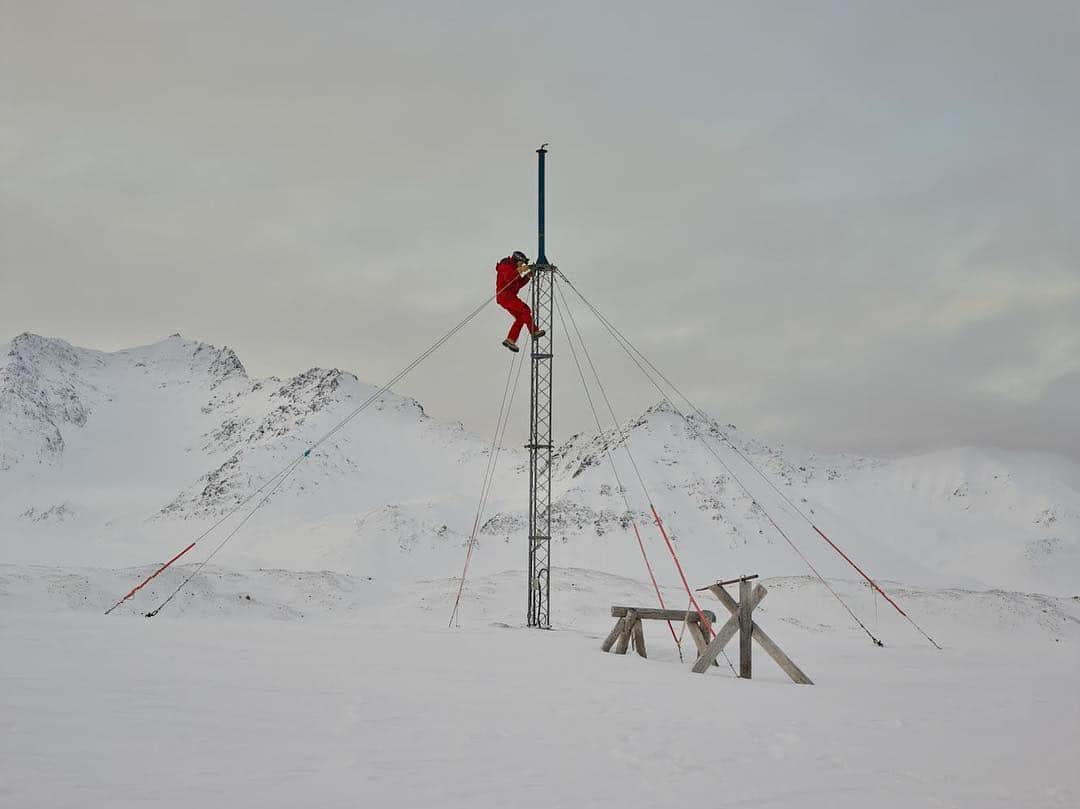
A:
<point x="663" y="615"/>
<point x="782" y="660"/>
<point x="725" y="634"/>
<point x="746" y="629"/>
<point x="708" y="657"/>
<point x="700" y="641"/>
<point x="639" y="638"/>
<point x="697" y="636"/>
<point x="775" y="652"/>
<point x="613" y="636"/>
<point x="624" y="638"/>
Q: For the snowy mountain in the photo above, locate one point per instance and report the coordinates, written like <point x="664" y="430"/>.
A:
<point x="115" y="459"/>
<point x="971" y="517"/>
<point x="110" y="457"/>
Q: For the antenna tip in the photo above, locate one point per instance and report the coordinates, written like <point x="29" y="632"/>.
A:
<point x="543" y="147"/>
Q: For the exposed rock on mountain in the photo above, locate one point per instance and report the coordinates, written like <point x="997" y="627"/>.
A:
<point x="120" y="454"/>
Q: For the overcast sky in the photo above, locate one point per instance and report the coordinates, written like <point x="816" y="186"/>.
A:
<point x="853" y="226"/>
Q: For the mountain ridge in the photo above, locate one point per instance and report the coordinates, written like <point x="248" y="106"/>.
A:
<point x="113" y="455"/>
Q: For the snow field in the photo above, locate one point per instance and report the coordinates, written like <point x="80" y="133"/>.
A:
<point x="235" y="702"/>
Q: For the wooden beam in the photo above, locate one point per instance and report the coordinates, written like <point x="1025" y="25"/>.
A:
<point x="690" y="616"/>
<point x="725" y="634"/>
<point x="613" y="636"/>
<point x="708" y="657"/>
<point x="729" y="581"/>
<point x="624" y="638"/>
<point x="725" y="598"/>
<point x="782" y="660"/>
<point x="698" y="637"/>
<point x="775" y="652"/>
<point x="639" y="638"/>
<point x="746" y="630"/>
<point x="700" y="641"/>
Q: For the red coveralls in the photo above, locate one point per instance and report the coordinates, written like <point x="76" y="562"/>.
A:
<point x="507" y="284"/>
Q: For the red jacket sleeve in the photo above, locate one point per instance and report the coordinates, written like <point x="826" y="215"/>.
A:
<point x="507" y="281"/>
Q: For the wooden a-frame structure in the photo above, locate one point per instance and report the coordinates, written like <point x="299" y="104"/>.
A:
<point x="628" y="628"/>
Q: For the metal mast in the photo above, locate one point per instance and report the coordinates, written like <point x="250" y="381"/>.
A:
<point x="539" y="446"/>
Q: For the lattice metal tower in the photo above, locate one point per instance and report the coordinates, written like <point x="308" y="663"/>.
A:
<point x="539" y="446"/>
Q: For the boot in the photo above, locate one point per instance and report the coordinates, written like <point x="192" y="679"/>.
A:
<point x="536" y="335"/>
<point x="511" y="345"/>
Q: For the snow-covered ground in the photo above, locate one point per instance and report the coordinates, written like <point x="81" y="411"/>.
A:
<point x="369" y="699"/>
<point x="310" y="664"/>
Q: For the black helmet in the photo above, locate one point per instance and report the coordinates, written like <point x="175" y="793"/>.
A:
<point x="520" y="257"/>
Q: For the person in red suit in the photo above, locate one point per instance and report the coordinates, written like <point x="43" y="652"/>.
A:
<point x="511" y="275"/>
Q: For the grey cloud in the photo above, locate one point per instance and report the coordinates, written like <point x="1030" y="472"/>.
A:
<point x="851" y="227"/>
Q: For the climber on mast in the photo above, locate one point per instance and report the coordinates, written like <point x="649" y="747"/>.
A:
<point x="511" y="275"/>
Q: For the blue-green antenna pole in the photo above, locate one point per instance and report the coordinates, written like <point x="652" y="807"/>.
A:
<point x="541" y="257"/>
